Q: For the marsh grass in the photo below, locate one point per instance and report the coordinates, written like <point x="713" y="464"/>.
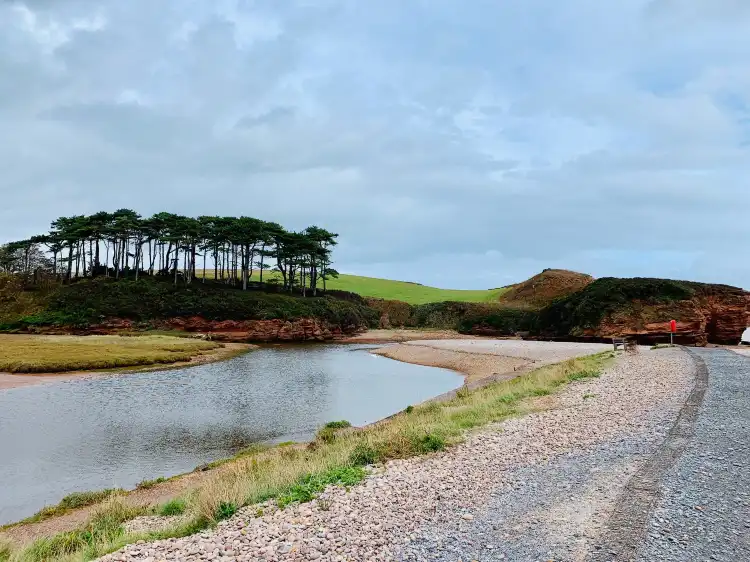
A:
<point x="71" y="502"/>
<point x="173" y="507"/>
<point x="55" y="354"/>
<point x="294" y="474"/>
<point x="147" y="484"/>
<point x="6" y="549"/>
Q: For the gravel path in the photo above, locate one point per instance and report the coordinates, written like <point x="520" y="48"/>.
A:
<point x="531" y="488"/>
<point x="704" y="511"/>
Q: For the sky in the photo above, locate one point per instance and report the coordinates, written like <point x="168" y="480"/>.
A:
<point x="456" y="143"/>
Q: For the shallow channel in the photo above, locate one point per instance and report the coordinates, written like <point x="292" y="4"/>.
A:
<point x="117" y="430"/>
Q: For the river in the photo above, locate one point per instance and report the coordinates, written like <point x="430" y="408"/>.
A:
<point x="117" y="430"/>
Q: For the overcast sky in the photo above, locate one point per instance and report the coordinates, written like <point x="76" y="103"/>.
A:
<point x="458" y="143"/>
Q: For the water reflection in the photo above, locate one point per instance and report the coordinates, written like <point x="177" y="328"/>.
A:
<point x="115" y="431"/>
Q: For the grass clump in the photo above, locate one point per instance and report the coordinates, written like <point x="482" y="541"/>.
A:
<point x="55" y="354"/>
<point x="73" y="501"/>
<point x="5" y="549"/>
<point x="173" y="507"/>
<point x="310" y="485"/>
<point x="342" y="424"/>
<point x="147" y="484"/>
<point x="328" y="432"/>
<point x="103" y="529"/>
<point x="225" y="510"/>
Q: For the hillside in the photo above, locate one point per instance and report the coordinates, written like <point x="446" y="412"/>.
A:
<point x="544" y="288"/>
<point x="412" y="293"/>
<point x="643" y="307"/>
<point x="94" y="304"/>
<point x="404" y="291"/>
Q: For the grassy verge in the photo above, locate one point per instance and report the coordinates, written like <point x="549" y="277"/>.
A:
<point x="54" y="354"/>
<point x="337" y="456"/>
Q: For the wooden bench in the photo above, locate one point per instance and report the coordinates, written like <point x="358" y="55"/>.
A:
<point x="628" y="344"/>
<point x="617" y="342"/>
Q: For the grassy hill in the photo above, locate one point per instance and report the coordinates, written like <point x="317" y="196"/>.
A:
<point x="544" y="288"/>
<point x="412" y="293"/>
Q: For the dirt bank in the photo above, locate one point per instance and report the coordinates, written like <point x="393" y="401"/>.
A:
<point x="473" y="366"/>
<point x="480" y="359"/>
<point x="400" y="336"/>
<point x="228" y="350"/>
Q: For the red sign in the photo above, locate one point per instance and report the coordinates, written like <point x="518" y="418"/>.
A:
<point x="673" y="326"/>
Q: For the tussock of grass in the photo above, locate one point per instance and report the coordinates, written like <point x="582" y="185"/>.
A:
<point x="328" y="432"/>
<point x="5" y="549"/>
<point x="147" y="484"/>
<point x="98" y="535"/>
<point x="294" y="474"/>
<point x="54" y="354"/>
<point x="72" y="501"/>
<point x="174" y="507"/>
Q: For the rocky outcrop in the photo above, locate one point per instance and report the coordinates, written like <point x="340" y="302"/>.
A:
<point x="701" y="320"/>
<point x="303" y="329"/>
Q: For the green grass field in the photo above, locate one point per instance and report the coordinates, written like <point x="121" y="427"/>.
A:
<point x="412" y="293"/>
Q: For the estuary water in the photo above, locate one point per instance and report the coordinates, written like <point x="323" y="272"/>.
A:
<point x="117" y="430"/>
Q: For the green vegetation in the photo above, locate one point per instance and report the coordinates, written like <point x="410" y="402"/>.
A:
<point x="147" y="484"/>
<point x="411" y="293"/>
<point x="73" y="501"/>
<point x="146" y="300"/>
<point x="173" y="507"/>
<point x="104" y="528"/>
<point x="310" y="485"/>
<point x="337" y="424"/>
<point x="328" y="432"/>
<point x="123" y="244"/>
<point x="373" y="288"/>
<point x="225" y="510"/>
<point x="570" y="315"/>
<point x="294" y="474"/>
<point x="54" y="354"/>
<point x="6" y="549"/>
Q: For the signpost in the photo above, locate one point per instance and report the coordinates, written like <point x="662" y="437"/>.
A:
<point x="672" y="331"/>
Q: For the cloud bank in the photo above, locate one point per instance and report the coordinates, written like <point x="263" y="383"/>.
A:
<point x="458" y="144"/>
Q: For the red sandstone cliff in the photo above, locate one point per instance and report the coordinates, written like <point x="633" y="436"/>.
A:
<point x="303" y="329"/>
<point x="719" y="319"/>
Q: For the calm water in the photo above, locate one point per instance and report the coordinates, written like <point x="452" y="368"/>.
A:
<point x="115" y="431"/>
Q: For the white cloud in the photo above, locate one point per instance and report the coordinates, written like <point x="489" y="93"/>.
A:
<point x="503" y="137"/>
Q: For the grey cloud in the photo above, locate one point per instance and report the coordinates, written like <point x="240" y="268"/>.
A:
<point x="500" y="138"/>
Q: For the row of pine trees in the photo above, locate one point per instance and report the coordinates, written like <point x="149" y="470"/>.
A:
<point x="123" y="244"/>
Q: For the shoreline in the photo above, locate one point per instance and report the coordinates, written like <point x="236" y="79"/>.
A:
<point x="227" y="350"/>
<point x="473" y="366"/>
<point x="478" y="369"/>
<point x="176" y="485"/>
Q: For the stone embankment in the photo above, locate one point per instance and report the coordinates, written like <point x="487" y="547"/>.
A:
<point x="531" y="488"/>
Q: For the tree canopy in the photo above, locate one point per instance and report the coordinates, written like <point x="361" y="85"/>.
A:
<point x="124" y="244"/>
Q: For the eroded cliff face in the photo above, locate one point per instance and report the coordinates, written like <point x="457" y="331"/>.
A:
<point x="303" y="329"/>
<point x="701" y="320"/>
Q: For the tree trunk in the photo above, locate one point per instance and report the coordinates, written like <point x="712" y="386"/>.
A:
<point x="96" y="257"/>
<point x="176" y="262"/>
<point x="70" y="262"/>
